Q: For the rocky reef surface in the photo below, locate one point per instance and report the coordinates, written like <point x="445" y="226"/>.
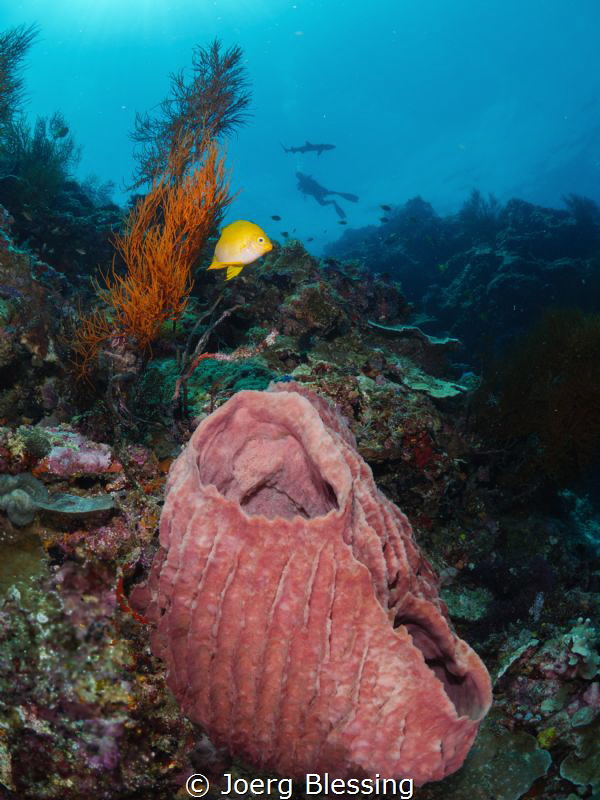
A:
<point x="488" y="272"/>
<point x="519" y="569"/>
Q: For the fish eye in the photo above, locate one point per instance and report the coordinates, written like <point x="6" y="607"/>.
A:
<point x="261" y="239"/>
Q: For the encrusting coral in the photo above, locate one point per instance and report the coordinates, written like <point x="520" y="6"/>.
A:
<point x="22" y="495"/>
<point x="300" y="624"/>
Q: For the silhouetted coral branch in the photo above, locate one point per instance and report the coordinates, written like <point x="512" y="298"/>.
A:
<point x="40" y="157"/>
<point x="14" y="44"/>
<point x="211" y="104"/>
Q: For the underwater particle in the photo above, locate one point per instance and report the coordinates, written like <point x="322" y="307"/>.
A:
<point x="241" y="243"/>
<point x="276" y="217"/>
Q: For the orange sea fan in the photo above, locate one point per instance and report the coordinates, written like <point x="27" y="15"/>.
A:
<point x="163" y="237"/>
<point x="93" y="330"/>
<point x="164" y="234"/>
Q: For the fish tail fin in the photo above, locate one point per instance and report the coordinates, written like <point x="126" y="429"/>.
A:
<point x="232" y="272"/>
<point x="217" y="264"/>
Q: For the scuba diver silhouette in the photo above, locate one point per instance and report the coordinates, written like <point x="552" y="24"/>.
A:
<point x="309" y="186"/>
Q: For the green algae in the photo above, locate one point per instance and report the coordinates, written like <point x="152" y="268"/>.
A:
<point x="211" y="377"/>
<point x="23" y="564"/>
<point x="5" y="312"/>
<point x="467" y="604"/>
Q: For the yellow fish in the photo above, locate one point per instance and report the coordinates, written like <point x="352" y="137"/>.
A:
<point x="240" y="244"/>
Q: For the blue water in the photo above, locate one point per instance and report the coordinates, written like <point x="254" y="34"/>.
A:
<point x="420" y="97"/>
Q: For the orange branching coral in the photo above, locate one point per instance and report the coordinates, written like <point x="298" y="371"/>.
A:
<point x="163" y="237"/>
<point x="93" y="330"/>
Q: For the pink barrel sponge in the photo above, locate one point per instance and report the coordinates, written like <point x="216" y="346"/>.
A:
<point x="300" y="624"/>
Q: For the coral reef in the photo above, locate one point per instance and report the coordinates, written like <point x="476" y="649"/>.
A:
<point x="34" y="315"/>
<point x="517" y="555"/>
<point x="486" y="273"/>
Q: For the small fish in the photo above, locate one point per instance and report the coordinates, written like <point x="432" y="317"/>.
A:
<point x="240" y="244"/>
<point x="58" y="128"/>
<point x="285" y="234"/>
<point x="80" y="251"/>
<point x="27" y="216"/>
<point x="385" y="207"/>
<point x="276" y="217"/>
<point x="342" y="222"/>
<point x="310" y="239"/>
<point x="60" y="132"/>
<point x="384" y="219"/>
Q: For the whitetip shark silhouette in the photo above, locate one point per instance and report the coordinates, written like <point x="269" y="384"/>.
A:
<point x="307" y="147"/>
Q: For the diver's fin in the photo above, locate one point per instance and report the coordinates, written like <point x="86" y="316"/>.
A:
<point x="232" y="271"/>
<point x="217" y="264"/>
<point x="338" y="209"/>
<point x="353" y="198"/>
